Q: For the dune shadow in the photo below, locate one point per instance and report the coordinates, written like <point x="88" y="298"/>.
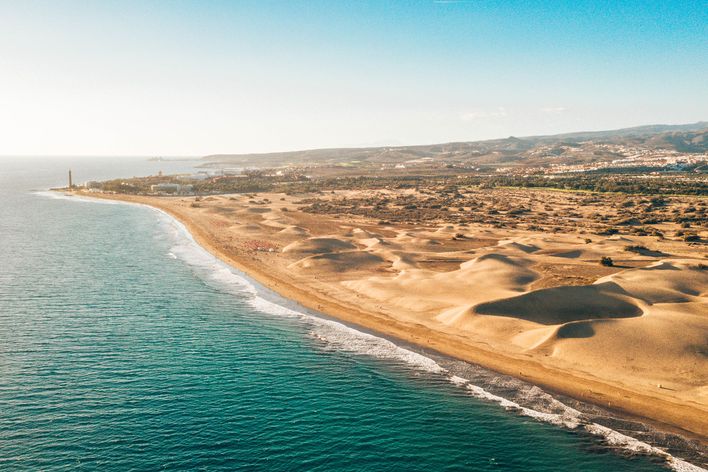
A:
<point x="575" y="330"/>
<point x="561" y="305"/>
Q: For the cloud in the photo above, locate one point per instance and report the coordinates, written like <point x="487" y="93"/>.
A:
<point x="553" y="110"/>
<point x="483" y="114"/>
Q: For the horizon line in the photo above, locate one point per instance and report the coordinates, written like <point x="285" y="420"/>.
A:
<point x="200" y="156"/>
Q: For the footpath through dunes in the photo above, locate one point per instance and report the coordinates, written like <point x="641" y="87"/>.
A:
<point x="529" y="303"/>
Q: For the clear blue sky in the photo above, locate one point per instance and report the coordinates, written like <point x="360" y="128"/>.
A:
<point x="199" y="77"/>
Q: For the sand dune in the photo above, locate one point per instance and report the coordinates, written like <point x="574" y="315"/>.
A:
<point x="564" y="304"/>
<point x="277" y="223"/>
<point x="519" y="246"/>
<point x="340" y="262"/>
<point x="375" y="244"/>
<point x="258" y="210"/>
<point x="418" y="242"/>
<point x="664" y="282"/>
<point x="496" y="273"/>
<point x="295" y="231"/>
<point x="358" y="233"/>
<point x="402" y="260"/>
<point x="247" y="228"/>
<point x="446" y="229"/>
<point x="421" y="290"/>
<point x="319" y="246"/>
<point x="568" y="254"/>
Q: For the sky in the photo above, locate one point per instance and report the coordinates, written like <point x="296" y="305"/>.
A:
<point x="192" y="78"/>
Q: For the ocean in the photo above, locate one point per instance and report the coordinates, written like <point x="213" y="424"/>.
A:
<point x="125" y="346"/>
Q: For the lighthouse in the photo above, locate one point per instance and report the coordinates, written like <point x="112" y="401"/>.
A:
<point x="70" y="183"/>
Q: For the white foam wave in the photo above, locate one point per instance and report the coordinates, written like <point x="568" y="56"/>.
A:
<point x="343" y="338"/>
<point x="209" y="267"/>
<point x="570" y="418"/>
<point x="617" y="439"/>
<point x="340" y="337"/>
<point x="459" y="381"/>
<point x="58" y="195"/>
<point x="264" y="306"/>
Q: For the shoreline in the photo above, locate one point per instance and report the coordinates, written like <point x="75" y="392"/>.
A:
<point x="686" y="420"/>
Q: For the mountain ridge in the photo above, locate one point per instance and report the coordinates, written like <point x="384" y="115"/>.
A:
<point x="683" y="138"/>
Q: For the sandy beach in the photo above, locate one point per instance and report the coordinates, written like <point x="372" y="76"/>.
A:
<point x="532" y="304"/>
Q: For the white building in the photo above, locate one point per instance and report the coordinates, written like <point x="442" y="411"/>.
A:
<point x="171" y="188"/>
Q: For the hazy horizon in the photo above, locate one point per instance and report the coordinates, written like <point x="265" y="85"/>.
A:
<point x="200" y="78"/>
<point x="199" y="156"/>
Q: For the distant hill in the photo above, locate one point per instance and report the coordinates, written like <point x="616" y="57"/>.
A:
<point x="568" y="148"/>
<point x="634" y="132"/>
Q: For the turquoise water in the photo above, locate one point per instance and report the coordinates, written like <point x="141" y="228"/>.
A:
<point x="124" y="347"/>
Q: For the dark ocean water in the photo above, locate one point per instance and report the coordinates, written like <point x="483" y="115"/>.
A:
<point x="123" y="346"/>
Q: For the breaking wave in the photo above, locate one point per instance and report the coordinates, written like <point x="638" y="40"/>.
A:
<point x="56" y="195"/>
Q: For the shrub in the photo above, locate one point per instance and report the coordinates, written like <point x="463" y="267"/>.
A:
<point x="607" y="261"/>
<point x="658" y="201"/>
<point x="637" y="249"/>
<point x="609" y="232"/>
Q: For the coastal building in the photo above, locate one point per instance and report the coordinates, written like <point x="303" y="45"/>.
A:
<point x="201" y="175"/>
<point x="165" y="188"/>
<point x="168" y="188"/>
